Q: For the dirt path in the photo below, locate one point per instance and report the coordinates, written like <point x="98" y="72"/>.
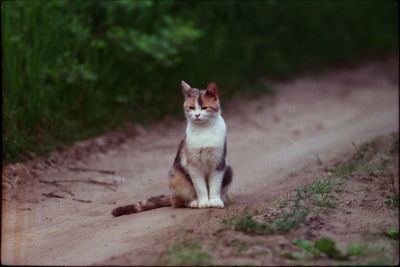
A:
<point x="68" y="222"/>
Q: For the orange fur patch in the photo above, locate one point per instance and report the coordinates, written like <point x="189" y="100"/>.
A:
<point x="180" y="185"/>
<point x="210" y="102"/>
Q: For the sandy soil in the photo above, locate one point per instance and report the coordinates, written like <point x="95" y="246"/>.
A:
<point x="56" y="211"/>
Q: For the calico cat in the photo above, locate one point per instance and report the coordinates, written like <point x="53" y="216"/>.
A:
<point x="199" y="175"/>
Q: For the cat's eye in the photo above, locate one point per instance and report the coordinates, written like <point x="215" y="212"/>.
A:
<point x="191" y="107"/>
<point x="203" y="108"/>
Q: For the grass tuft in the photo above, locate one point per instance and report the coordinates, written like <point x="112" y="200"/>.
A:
<point x="187" y="252"/>
<point x="252" y="223"/>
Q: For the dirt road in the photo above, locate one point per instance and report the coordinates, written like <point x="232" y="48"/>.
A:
<point x="63" y="216"/>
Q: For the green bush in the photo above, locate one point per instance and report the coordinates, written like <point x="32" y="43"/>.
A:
<point x="72" y="69"/>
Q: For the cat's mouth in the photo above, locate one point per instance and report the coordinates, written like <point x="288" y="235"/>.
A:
<point x="198" y="120"/>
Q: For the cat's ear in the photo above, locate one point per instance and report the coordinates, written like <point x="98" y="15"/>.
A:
<point x="186" y="89"/>
<point x="212" y="90"/>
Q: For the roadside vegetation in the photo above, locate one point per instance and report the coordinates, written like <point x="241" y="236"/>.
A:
<point x="330" y="221"/>
<point x="74" y="69"/>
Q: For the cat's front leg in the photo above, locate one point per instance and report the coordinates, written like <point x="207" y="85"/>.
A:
<point x="200" y="186"/>
<point x="215" y="183"/>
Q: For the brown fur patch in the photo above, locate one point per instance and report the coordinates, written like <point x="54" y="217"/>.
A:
<point x="181" y="155"/>
<point x="209" y="102"/>
<point x="180" y="185"/>
<point x="221" y="164"/>
<point x="149" y="204"/>
<point x="212" y="90"/>
<point x="180" y="182"/>
<point x="159" y="201"/>
<point x="128" y="209"/>
<point x="177" y="202"/>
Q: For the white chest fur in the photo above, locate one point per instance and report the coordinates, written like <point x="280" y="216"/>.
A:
<point x="205" y="143"/>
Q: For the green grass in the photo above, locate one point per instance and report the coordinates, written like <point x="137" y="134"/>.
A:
<point x="355" y="254"/>
<point x="322" y="195"/>
<point x="186" y="252"/>
<point x="393" y="201"/>
<point x="74" y="69"/>
<point x="371" y="158"/>
<point x="355" y="251"/>
<point x="324" y="201"/>
<point x="250" y="222"/>
<point x="392" y="233"/>
<point x="324" y="246"/>
<point x="312" y="198"/>
<point x="247" y="223"/>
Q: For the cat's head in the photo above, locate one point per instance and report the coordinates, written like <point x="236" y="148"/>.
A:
<point x="200" y="106"/>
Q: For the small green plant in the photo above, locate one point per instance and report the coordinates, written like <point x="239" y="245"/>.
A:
<point x="308" y="250"/>
<point x="246" y="223"/>
<point x="324" y="246"/>
<point x="284" y="199"/>
<point x="291" y="220"/>
<point x="392" y="233"/>
<point x="347" y="168"/>
<point x="356" y="251"/>
<point x="320" y="193"/>
<point x="328" y="246"/>
<point x="285" y="221"/>
<point x="320" y="187"/>
<point x="187" y="252"/>
<point x="344" y="171"/>
<point x="393" y="201"/>
<point x="324" y="201"/>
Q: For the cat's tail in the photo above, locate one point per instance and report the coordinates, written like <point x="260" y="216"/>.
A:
<point x="149" y="204"/>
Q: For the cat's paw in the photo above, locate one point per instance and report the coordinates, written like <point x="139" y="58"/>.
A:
<point x="204" y="203"/>
<point x="216" y="203"/>
<point x="194" y="204"/>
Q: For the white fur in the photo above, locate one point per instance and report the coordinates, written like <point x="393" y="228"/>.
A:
<point x="207" y="135"/>
<point x="205" y="143"/>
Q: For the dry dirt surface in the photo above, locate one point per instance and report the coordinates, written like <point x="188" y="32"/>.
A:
<point x="57" y="211"/>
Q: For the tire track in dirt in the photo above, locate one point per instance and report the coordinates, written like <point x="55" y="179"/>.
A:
<point x="265" y="143"/>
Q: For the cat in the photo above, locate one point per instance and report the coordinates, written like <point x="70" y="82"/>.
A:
<point x="199" y="176"/>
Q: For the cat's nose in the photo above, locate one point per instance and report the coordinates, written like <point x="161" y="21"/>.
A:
<point x="197" y="115"/>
